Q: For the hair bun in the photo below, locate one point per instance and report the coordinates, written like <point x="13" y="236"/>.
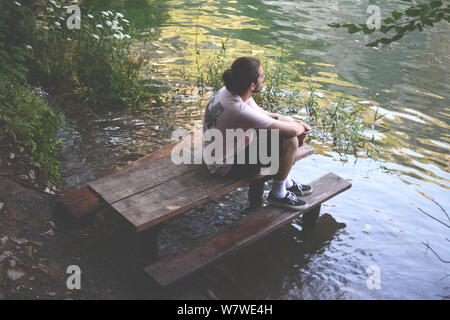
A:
<point x="226" y="77"/>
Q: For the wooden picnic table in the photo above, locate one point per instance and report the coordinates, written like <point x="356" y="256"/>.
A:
<point x="153" y="189"/>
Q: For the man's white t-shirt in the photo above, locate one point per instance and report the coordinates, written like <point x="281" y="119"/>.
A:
<point x="226" y="110"/>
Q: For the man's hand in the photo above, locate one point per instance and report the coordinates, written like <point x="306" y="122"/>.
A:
<point x="302" y="137"/>
<point x="307" y="127"/>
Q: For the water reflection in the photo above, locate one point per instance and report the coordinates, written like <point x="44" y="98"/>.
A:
<point x="407" y="82"/>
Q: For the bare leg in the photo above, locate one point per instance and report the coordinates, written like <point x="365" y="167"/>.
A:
<point x="287" y="157"/>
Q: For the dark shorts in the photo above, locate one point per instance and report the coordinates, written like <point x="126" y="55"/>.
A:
<point x="248" y="169"/>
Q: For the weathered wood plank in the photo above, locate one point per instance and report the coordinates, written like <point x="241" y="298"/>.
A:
<point x="254" y="226"/>
<point x="144" y="176"/>
<point x="175" y="196"/>
<point x="83" y="201"/>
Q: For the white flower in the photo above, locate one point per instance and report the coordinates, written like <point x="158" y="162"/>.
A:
<point x="17" y="3"/>
<point x="118" y="14"/>
<point x="105" y="13"/>
<point x="57" y="24"/>
<point x="108" y="23"/>
<point x="118" y="36"/>
<point x="69" y="39"/>
<point x="152" y="30"/>
<point x="90" y="16"/>
<point x="127" y="36"/>
<point x="99" y="26"/>
<point x="125" y="20"/>
<point x="45" y="28"/>
<point x="50" y="9"/>
<point x="110" y="13"/>
<point x="62" y="18"/>
<point x="53" y="2"/>
<point x="95" y="36"/>
<point x="115" y="25"/>
<point x="28" y="47"/>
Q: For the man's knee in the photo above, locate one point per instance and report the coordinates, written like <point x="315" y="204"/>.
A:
<point x="290" y="143"/>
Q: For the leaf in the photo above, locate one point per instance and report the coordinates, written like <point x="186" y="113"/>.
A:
<point x="373" y="44"/>
<point x="366" y="29"/>
<point x="352" y="29"/>
<point x="396" y="15"/>
<point x="385" y="29"/>
<point x="413" y="12"/>
<point x="334" y="25"/>
<point x="436" y="4"/>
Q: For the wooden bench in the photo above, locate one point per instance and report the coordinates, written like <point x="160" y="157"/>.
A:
<point x="153" y="189"/>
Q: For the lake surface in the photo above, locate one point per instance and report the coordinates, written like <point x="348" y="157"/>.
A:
<point x="396" y="205"/>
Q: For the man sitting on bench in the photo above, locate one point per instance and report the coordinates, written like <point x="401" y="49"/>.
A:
<point x="233" y="107"/>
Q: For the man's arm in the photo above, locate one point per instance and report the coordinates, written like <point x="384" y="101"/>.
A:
<point x="281" y="117"/>
<point x="290" y="121"/>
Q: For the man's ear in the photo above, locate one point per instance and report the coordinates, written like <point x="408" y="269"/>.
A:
<point x="252" y="86"/>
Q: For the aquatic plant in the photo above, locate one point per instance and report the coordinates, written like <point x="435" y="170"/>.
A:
<point x="341" y="122"/>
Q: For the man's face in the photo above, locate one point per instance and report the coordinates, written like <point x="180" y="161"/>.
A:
<point x="258" y="86"/>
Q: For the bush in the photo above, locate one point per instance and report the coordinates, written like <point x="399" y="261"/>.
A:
<point x="95" y="63"/>
<point x="26" y="118"/>
<point x="14" y="48"/>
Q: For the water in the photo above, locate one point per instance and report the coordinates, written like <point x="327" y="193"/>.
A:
<point x="385" y="211"/>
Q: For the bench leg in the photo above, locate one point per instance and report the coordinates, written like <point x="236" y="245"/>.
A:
<point x="256" y="193"/>
<point x="309" y="218"/>
<point x="146" y="245"/>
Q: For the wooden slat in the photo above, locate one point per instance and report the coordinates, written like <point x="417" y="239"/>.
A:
<point x="175" y="196"/>
<point x="254" y="226"/>
<point x="146" y="175"/>
<point x="83" y="201"/>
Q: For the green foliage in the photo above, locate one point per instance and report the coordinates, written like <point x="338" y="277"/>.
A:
<point x="340" y="123"/>
<point x="27" y="119"/>
<point x="95" y="63"/>
<point x="209" y="74"/>
<point x="14" y="34"/>
<point x="276" y="91"/>
<point x="417" y="16"/>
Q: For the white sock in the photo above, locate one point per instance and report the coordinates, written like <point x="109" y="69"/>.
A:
<point x="289" y="182"/>
<point x="279" y="188"/>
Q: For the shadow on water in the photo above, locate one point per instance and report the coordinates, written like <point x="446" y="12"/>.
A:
<point x="262" y="270"/>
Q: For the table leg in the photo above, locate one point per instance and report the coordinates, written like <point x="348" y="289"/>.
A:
<point x="256" y="193"/>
